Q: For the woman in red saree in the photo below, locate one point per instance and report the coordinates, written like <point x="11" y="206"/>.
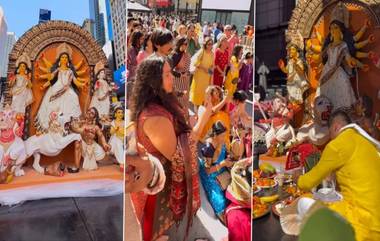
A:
<point x="162" y="130"/>
<point x="220" y="61"/>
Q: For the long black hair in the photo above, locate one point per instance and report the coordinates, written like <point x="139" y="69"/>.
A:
<point x="135" y="39"/>
<point x="161" y="37"/>
<point x="26" y="67"/>
<point x="148" y="89"/>
<point x="97" y="118"/>
<point x="147" y="37"/>
<point x="117" y="109"/>
<point x="348" y="38"/>
<point x="56" y="66"/>
<point x="236" y="50"/>
<point x="177" y="55"/>
<point x="217" y="129"/>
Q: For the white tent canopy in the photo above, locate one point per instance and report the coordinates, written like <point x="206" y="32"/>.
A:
<point x="134" y="6"/>
<point x="237" y="5"/>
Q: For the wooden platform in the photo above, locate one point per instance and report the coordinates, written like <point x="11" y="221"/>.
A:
<point x="280" y="159"/>
<point x="33" y="178"/>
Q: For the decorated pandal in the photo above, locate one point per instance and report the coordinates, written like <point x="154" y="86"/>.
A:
<point x="332" y="64"/>
<point x="61" y="123"/>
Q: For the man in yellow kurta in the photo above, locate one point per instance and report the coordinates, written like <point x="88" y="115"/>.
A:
<point x="354" y="158"/>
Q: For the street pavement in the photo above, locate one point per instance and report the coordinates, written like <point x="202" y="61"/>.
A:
<point x="64" y="219"/>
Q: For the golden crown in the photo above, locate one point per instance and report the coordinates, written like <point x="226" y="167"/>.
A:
<point x="294" y="38"/>
<point x="64" y="48"/>
<point x="341" y="14"/>
<point x="24" y="59"/>
<point x="98" y="67"/>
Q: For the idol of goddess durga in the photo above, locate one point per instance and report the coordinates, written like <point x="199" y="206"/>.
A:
<point x="340" y="53"/>
<point x="62" y="80"/>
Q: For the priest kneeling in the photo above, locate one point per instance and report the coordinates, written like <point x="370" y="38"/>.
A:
<point x="353" y="155"/>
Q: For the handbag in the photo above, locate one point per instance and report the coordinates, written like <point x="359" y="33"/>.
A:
<point x="224" y="179"/>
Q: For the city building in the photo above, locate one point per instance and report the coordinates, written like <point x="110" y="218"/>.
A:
<point x="106" y="17"/>
<point x="101" y="14"/>
<point x="108" y="51"/>
<point x="251" y="18"/>
<point x="119" y="13"/>
<point x="165" y="5"/>
<point x="186" y="6"/>
<point x="102" y="37"/>
<point x="88" y="24"/>
<point x="272" y="18"/>
<point x="134" y="6"/>
<point x="119" y="29"/>
<point x="45" y="15"/>
<point x="226" y="12"/>
<point x="3" y="42"/>
<point x="11" y="40"/>
<point x="98" y="28"/>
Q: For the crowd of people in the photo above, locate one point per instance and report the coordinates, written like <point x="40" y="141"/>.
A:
<point x="188" y="126"/>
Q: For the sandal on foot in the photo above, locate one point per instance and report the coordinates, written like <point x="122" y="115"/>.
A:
<point x="53" y="170"/>
<point x="72" y="170"/>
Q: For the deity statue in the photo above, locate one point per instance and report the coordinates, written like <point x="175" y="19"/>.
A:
<point x="51" y="143"/>
<point x="316" y="131"/>
<point x="117" y="135"/>
<point x="21" y="85"/>
<point x="90" y="130"/>
<point x="62" y="82"/>
<point x="130" y="135"/>
<point x="281" y="134"/>
<point x="295" y="69"/>
<point x="263" y="71"/>
<point x="12" y="149"/>
<point x="100" y="99"/>
<point x="339" y="54"/>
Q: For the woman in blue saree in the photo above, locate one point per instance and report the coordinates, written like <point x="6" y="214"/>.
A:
<point x="213" y="168"/>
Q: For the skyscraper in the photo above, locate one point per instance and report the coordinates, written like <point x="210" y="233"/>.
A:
<point x="100" y="13"/>
<point x="105" y="9"/>
<point x="88" y="25"/>
<point x="98" y="28"/>
<point x="10" y="41"/>
<point x="45" y="15"/>
<point x="272" y="18"/>
<point x="119" y="14"/>
<point x="3" y="42"/>
<point x="102" y="36"/>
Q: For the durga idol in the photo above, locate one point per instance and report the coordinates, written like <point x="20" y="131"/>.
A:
<point x="62" y="81"/>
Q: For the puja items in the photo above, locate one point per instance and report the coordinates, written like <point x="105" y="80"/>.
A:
<point x="303" y="155"/>
<point x="259" y="208"/>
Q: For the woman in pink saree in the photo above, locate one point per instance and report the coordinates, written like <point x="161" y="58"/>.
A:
<point x="238" y="213"/>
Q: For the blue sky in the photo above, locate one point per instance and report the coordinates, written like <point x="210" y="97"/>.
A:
<point x="21" y="15"/>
